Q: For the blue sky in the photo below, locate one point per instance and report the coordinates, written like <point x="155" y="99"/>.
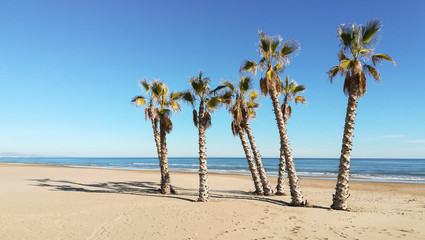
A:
<point x="68" y="70"/>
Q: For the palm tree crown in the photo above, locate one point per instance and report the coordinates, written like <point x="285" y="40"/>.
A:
<point x="357" y="43"/>
<point x="202" y="93"/>
<point x="241" y="108"/>
<point x="146" y="101"/>
<point x="273" y="60"/>
<point x="290" y="92"/>
<point x="166" y="103"/>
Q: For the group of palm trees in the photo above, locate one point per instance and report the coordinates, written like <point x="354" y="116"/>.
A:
<point x="357" y="43"/>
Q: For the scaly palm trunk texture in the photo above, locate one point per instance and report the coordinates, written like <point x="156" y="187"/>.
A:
<point x="157" y="138"/>
<point x="341" y="195"/>
<point x="294" y="185"/>
<point x="281" y="172"/>
<point x="267" y="189"/>
<point x="203" y="169"/>
<point x="163" y="164"/>
<point x="251" y="163"/>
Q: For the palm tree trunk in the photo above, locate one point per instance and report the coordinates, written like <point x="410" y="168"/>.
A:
<point x="341" y="195"/>
<point x="251" y="163"/>
<point x="163" y="164"/>
<point x="268" y="191"/>
<point x="294" y="185"/>
<point x="157" y="138"/>
<point x="203" y="169"/>
<point x="280" y="188"/>
<point x="281" y="177"/>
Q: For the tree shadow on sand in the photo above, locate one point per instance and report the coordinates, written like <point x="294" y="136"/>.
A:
<point x="150" y="189"/>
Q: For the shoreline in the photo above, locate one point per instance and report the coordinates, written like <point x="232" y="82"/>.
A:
<point x="55" y="202"/>
<point x="324" y="176"/>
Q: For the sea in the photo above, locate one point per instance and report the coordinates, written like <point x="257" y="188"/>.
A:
<point x="362" y="169"/>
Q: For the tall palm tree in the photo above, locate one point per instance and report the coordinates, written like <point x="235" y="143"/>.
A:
<point x="208" y="102"/>
<point x="272" y="63"/>
<point x="150" y="112"/>
<point x="357" y="48"/>
<point x="290" y="91"/>
<point x="242" y="109"/>
<point x="167" y="104"/>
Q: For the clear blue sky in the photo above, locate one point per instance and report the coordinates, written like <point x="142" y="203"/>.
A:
<point x="68" y="70"/>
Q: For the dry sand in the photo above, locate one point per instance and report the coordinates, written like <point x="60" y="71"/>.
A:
<point x="42" y="202"/>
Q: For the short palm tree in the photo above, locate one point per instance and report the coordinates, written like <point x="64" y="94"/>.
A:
<point x="272" y="63"/>
<point x="357" y="43"/>
<point x="290" y="91"/>
<point x="167" y="104"/>
<point x="151" y="113"/>
<point x="208" y="102"/>
<point x="242" y="109"/>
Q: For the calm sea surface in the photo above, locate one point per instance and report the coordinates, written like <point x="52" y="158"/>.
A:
<point x="382" y="170"/>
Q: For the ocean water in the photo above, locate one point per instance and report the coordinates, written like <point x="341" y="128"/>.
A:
<point x="362" y="169"/>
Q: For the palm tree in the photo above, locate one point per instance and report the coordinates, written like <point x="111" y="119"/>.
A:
<point x="272" y="63"/>
<point x="208" y="102"/>
<point x="167" y="104"/>
<point x="357" y="45"/>
<point x="242" y="110"/>
<point x="151" y="113"/>
<point x="154" y="90"/>
<point x="290" y="92"/>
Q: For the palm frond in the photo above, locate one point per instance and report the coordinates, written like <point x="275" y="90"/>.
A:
<point x="346" y="64"/>
<point x="347" y="83"/>
<point x="207" y="120"/>
<point x="271" y="75"/>
<point x="299" y="88"/>
<point x="245" y="84"/>
<point x="369" y="32"/>
<point x="372" y="71"/>
<point x="279" y="67"/>
<point x="197" y="85"/>
<point x="218" y="88"/>
<point x="253" y="95"/>
<point x="275" y="43"/>
<point x="145" y="85"/>
<point x="345" y="33"/>
<point x="188" y="97"/>
<point x="195" y="117"/>
<point x="175" y="95"/>
<point x="264" y="86"/>
<point x="333" y="72"/>
<point x="357" y="66"/>
<point x="164" y="113"/>
<point x="278" y="84"/>
<point x="166" y="124"/>
<point x="226" y="97"/>
<point x="289" y="47"/>
<point x="265" y="43"/>
<point x="366" y="52"/>
<point x="361" y="84"/>
<point x="212" y="103"/>
<point x="249" y="66"/>
<point x="341" y="55"/>
<point x="300" y="99"/>
<point x="288" y="112"/>
<point x="229" y="85"/>
<point x="378" y="58"/>
<point x="175" y="106"/>
<point x="139" y="100"/>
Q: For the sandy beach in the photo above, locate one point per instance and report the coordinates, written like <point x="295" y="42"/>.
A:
<point x="47" y="202"/>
